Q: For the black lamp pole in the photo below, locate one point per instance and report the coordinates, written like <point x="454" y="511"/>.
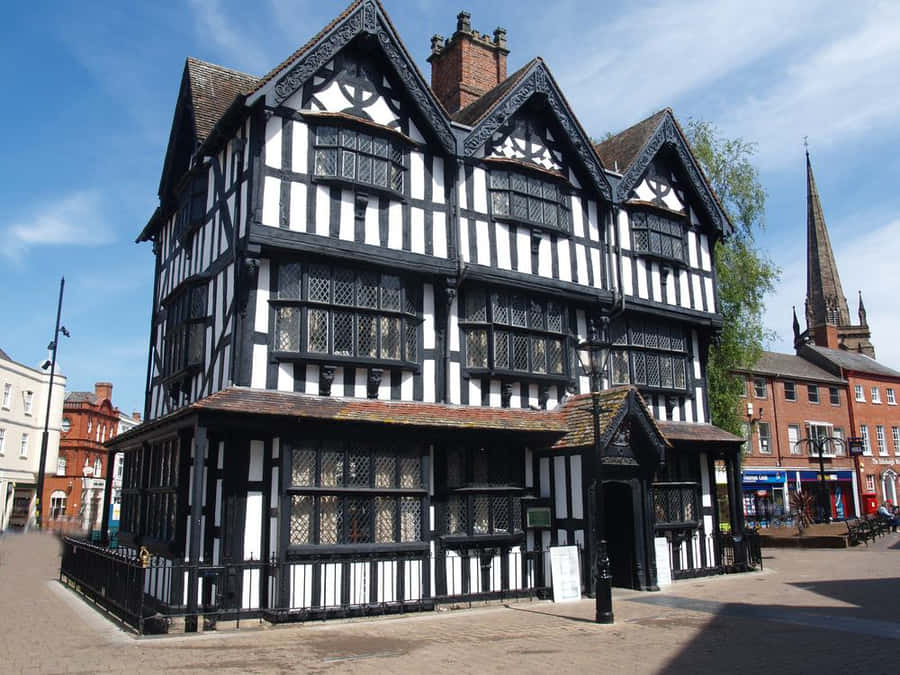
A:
<point x="45" y="437"/>
<point x="819" y="443"/>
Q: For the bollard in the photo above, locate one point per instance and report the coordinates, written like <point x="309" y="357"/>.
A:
<point x="603" y="592"/>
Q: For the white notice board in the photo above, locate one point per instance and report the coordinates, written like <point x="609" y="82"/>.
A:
<point x="565" y="573"/>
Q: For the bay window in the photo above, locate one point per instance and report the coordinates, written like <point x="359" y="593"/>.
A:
<point x="359" y="157"/>
<point x="649" y="354"/>
<point x="529" y="199"/>
<point x="658" y="234"/>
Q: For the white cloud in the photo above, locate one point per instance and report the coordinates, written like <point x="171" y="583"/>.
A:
<point x="76" y="220"/>
<point x="844" y="88"/>
<point x="865" y="261"/>
<point x="233" y="39"/>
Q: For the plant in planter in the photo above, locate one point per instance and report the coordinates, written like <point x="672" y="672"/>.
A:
<point x="802" y="505"/>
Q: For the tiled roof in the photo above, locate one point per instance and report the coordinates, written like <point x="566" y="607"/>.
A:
<point x="213" y="89"/>
<point x="852" y="361"/>
<point x="476" y="110"/>
<point x="407" y="414"/>
<point x="790" y="365"/>
<point x="80" y="397"/>
<point x="578" y="412"/>
<point x="619" y="151"/>
<point x="691" y="431"/>
<point x="4" y="355"/>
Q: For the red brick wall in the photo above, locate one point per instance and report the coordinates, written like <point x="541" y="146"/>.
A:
<point x="874" y="414"/>
<point x="466" y="69"/>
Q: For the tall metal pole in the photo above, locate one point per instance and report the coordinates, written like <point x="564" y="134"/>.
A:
<point x="824" y="501"/>
<point x="45" y="438"/>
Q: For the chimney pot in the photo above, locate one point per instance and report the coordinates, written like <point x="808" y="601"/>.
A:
<point x="103" y="391"/>
<point x="437" y="43"/>
<point x="464" y="22"/>
<point x="500" y="37"/>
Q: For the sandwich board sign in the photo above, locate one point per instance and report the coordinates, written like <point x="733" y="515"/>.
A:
<point x="565" y="573"/>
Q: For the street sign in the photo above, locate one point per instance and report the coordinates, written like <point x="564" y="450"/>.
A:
<point x="857" y="445"/>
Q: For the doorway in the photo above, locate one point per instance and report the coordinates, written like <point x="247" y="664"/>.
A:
<point x="618" y="519"/>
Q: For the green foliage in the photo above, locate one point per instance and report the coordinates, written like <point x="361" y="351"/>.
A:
<point x="744" y="274"/>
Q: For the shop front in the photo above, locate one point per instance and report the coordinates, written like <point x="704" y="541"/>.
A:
<point x="764" y="496"/>
<point x="840" y="490"/>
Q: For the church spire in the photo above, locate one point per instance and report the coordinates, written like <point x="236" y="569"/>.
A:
<point x="827" y="304"/>
<point x="862" y="312"/>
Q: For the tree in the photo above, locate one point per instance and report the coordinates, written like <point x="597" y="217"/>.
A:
<point x="744" y="274"/>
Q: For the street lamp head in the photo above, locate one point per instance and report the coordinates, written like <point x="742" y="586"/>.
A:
<point x="51" y="346"/>
<point x="46" y="364"/>
<point x="62" y="329"/>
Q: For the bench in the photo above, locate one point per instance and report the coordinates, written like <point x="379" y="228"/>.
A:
<point x="879" y="524"/>
<point x="860" y="530"/>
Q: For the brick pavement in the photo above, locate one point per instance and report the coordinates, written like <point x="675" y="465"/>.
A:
<point x="810" y="610"/>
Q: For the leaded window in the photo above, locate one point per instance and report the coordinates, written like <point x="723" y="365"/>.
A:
<point x="513" y="332"/>
<point x="150" y="479"/>
<point x="483" y="491"/>
<point x="186" y="318"/>
<point x="529" y="199"/>
<point x="675" y="503"/>
<point x="359" y="157"/>
<point x="354" y="493"/>
<point x="658" y="234"/>
<point x="649" y="354"/>
<point x="321" y="309"/>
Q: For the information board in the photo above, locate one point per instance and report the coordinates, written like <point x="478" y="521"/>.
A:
<point x="565" y="573"/>
<point x="663" y="564"/>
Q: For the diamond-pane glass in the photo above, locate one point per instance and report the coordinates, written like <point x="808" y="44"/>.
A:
<point x="665" y="371"/>
<point x="330" y="522"/>
<point x="678" y="364"/>
<point x="480" y="467"/>
<point x="535" y="209"/>
<point x="653" y="370"/>
<point x="481" y="514"/>
<point x="332" y="468"/>
<point x="365" y="169"/>
<point x="385" y="470"/>
<point x="380" y="173"/>
<point x="318" y="330"/>
<point x="358" y="469"/>
<point x="455" y="476"/>
<point x="343" y="286"/>
<point x="554" y="356"/>
<point x="651" y="337"/>
<point x="357" y="513"/>
<point x="410" y="473"/>
<point x="396" y="177"/>
<point x="519" y="206"/>
<point x="664" y="340"/>
<point x="501" y="349"/>
<point x="516" y="514"/>
<point x="520" y="352"/>
<point x="412" y="341"/>
<point x="476" y="309"/>
<point x="348" y="139"/>
<point x="554" y="318"/>
<point x="368" y="290"/>
<point x="457" y="523"/>
<point x="326" y="136"/>
<point x="198" y="302"/>
<point x="500" y="308"/>
<point x="326" y="162"/>
<point x="302" y="519"/>
<point x="289" y="281"/>
<point x="410" y="518"/>
<point x="303" y="467"/>
<point x="319" y="283"/>
<point x="640" y="367"/>
<point x="500" y="507"/>
<point x="519" y="311"/>
<point x="476" y="349"/>
<point x="536" y="314"/>
<point x="343" y="333"/>
<point x="538" y="355"/>
<point x="195" y="343"/>
<point x="384" y="519"/>
<point x="677" y="344"/>
<point x="619" y="367"/>
<point x="390" y="293"/>
<point x="390" y="337"/>
<point x="380" y="147"/>
<point x="367" y="340"/>
<point x="499" y="180"/>
<point x="500" y="203"/>
<point x="287" y="329"/>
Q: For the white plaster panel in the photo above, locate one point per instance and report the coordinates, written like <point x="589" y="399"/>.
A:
<point x="297" y="220"/>
<point x="692" y="248"/>
<point x="479" y="194"/>
<point x="285" y="377"/>
<point x="428" y="316"/>
<point x="701" y="414"/>
<point x="684" y="288"/>
<point x="437" y="180"/>
<point x="417" y="175"/>
<point x="627" y="277"/>
<point x="545" y="257"/>
<point x="395" y="225"/>
<point x="428" y="381"/>
<point x="414" y="133"/>
<point x="323" y="210"/>
<point x="271" y="201"/>
<point x="455" y="396"/>
<point x="710" y="298"/>
<point x="273" y="142"/>
<point x="255" y="472"/>
<point x="504" y="259"/>
<point x="347" y="222"/>
<point x="581" y="264"/>
<point x="372" y="234"/>
<point x="439" y="234"/>
<point x="523" y="250"/>
<point x="299" y="146"/>
<point x="672" y="201"/>
<point x="575" y="486"/>
<point x="463" y="193"/>
<point x="698" y="297"/>
<point x="704" y="253"/>
<point x="564" y="253"/>
<point x="656" y="282"/>
<point x="312" y="379"/>
<point x="253" y="526"/>
<point x="595" y="264"/>
<point x="643" y="191"/>
<point x="577" y="216"/>
<point x="406" y="386"/>
<point x="417" y="236"/>
<point x="482" y="243"/>
<point x="261" y="316"/>
<point x="494" y="394"/>
<point x="593" y="222"/>
<point x="260" y="360"/>
<point x="689" y="411"/>
<point x="642" y="279"/>
<point x="360" y="389"/>
<point x="544" y="471"/>
<point x="384" y="389"/>
<point x="454" y="325"/>
<point x="624" y="231"/>
<point x="474" y="392"/>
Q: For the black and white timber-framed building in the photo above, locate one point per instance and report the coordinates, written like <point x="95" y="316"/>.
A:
<point x="367" y="301"/>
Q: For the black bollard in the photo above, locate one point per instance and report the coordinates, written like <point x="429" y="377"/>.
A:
<point x="603" y="592"/>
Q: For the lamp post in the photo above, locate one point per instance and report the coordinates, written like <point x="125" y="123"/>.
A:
<point x="856" y="446"/>
<point x="819" y="443"/>
<point x="597" y="347"/>
<point x="45" y="437"/>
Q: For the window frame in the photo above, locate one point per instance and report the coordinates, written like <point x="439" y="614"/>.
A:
<point x="819" y="430"/>
<point x="397" y="157"/>
<point x="793" y="390"/>
<point x="23" y="445"/>
<point x="889" y="394"/>
<point x="881" y="441"/>
<point x="2" y="441"/>
<point x="867" y="445"/>
<point x="764" y="440"/>
<point x="179" y="347"/>
<point x="672" y="219"/>
<point x="876" y="395"/>
<point x="895" y="435"/>
<point x="834" y="395"/>
<point x="28" y="402"/>
<point x="812" y="393"/>
<point x="624" y="342"/>
<point x="860" y="393"/>
<point x="153" y="485"/>
<point x="345" y="493"/>
<point x="7" y="395"/>
<point x="794" y="447"/>
<point x="759" y="384"/>
<point x="408" y="313"/>
<point x="503" y="172"/>
<point x="495" y="328"/>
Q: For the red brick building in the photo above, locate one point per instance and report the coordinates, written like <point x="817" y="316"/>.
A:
<point x="73" y="493"/>
<point x="791" y="405"/>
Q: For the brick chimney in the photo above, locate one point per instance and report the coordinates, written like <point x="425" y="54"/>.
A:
<point x="103" y="391"/>
<point x="468" y="65"/>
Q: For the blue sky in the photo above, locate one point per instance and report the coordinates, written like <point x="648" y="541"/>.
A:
<point x="91" y="89"/>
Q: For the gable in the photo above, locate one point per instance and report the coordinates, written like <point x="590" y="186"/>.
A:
<point x="511" y="112"/>
<point x="667" y="161"/>
<point x="527" y="137"/>
<point x="336" y="72"/>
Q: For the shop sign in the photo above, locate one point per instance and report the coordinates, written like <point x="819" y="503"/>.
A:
<point x="755" y="478"/>
<point x="537" y="517"/>
<point x="566" y="573"/>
